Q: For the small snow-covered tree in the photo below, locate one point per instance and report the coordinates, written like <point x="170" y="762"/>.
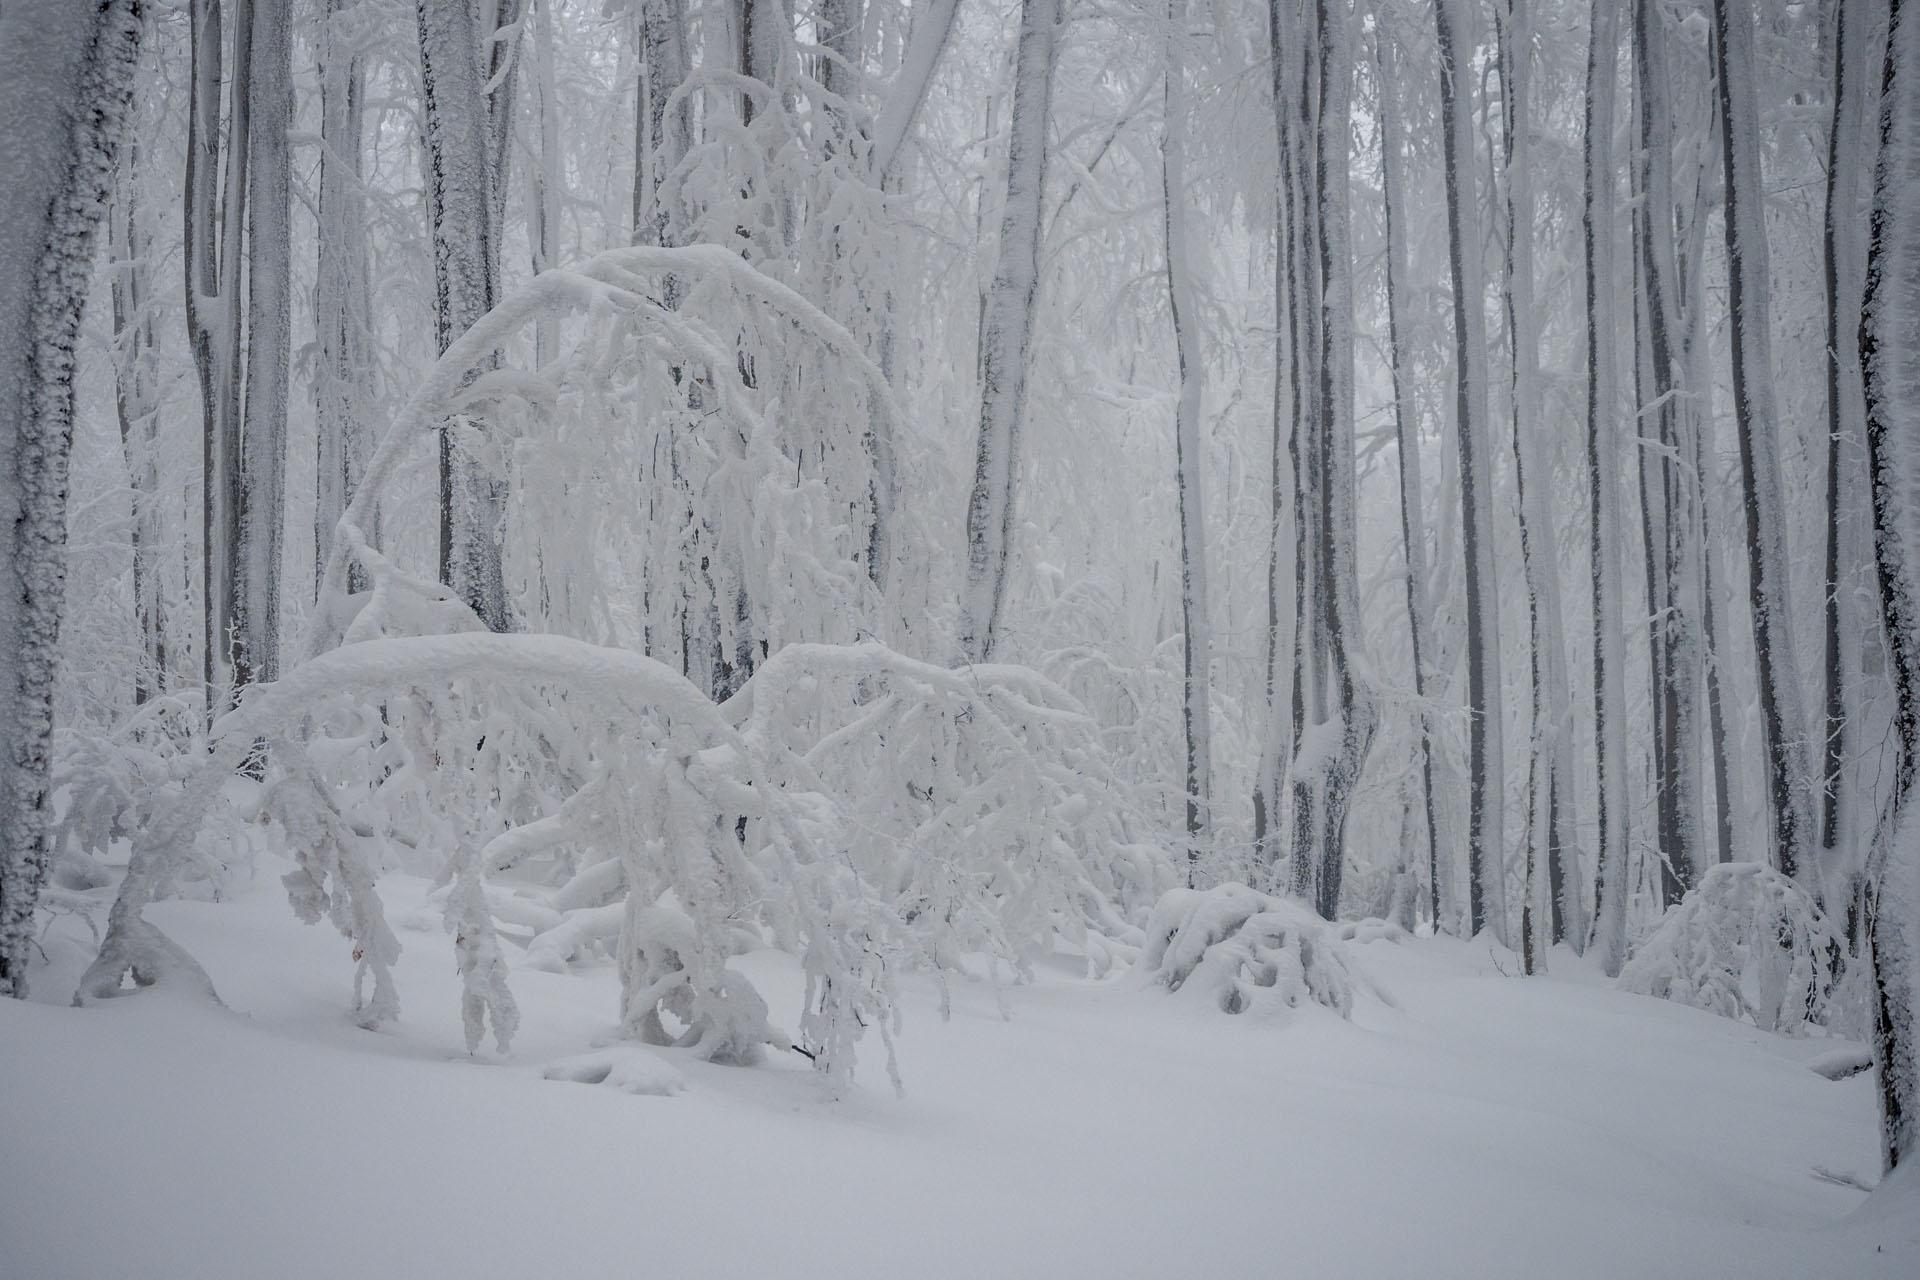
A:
<point x="1746" y="942"/>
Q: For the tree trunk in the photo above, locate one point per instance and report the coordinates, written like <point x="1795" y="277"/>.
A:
<point x="1604" y="532"/>
<point x="1190" y="454"/>
<point x="1486" y="842"/>
<point x="136" y="404"/>
<point x="1406" y="423"/>
<point x="1891" y="359"/>
<point x="463" y="163"/>
<point x="66" y="75"/>
<point x="1672" y="550"/>
<point x="1783" y="725"/>
<point x="343" y="319"/>
<point x="1007" y="334"/>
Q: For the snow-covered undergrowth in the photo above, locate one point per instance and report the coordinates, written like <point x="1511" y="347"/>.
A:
<point x="1245" y="951"/>
<point x="1746" y="942"/>
<point x="853" y="806"/>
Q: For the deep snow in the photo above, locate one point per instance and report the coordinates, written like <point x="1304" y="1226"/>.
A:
<point x="1481" y="1125"/>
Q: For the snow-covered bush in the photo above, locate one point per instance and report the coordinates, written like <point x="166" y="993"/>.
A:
<point x="1245" y="951"/>
<point x="854" y="805"/>
<point x="1747" y="942"/>
<point x="975" y="803"/>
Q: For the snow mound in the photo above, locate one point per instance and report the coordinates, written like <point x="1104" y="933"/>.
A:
<point x="1245" y="951"/>
<point x="1747" y="942"/>
<point x="665" y="970"/>
<point x="630" y="1070"/>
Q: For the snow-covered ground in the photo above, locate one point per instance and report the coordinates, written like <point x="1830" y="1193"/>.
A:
<point x="1481" y="1125"/>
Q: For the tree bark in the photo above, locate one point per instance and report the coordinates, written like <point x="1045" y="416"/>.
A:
<point x="1486" y="842"/>
<point x="1783" y="724"/>
<point x="66" y="75"/>
<point x="1007" y="334"/>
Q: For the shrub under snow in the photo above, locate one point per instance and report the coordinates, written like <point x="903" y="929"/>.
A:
<point x="1747" y="942"/>
<point x="1245" y="951"/>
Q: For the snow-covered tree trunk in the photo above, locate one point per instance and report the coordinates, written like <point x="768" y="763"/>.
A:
<point x="1783" y="723"/>
<point x="1604" y="532"/>
<point x="1552" y="884"/>
<point x="261" y="498"/>
<point x="1889" y="340"/>
<point x="1486" y="841"/>
<point x="1354" y="713"/>
<point x="1007" y="334"/>
<point x="458" y="120"/>
<point x="1848" y="152"/>
<point x="663" y="130"/>
<point x="1190" y="453"/>
<point x="342" y="314"/>
<point x="1671" y="505"/>
<point x="209" y="231"/>
<point x="236" y="238"/>
<point x="137" y="405"/>
<point x="1283" y="536"/>
<point x="66" y="75"/>
<point x="1413" y="536"/>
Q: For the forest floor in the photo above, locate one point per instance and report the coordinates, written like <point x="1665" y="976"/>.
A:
<point x="1478" y="1124"/>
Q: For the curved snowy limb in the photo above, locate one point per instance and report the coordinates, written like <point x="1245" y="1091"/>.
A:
<point x="622" y="280"/>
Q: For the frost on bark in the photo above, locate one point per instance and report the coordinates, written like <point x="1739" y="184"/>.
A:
<point x="1486" y="843"/>
<point x="1552" y="887"/>
<point x="1890" y="353"/>
<point x="236" y="243"/>
<point x="1783" y="724"/>
<point x="1671" y="497"/>
<point x="1609" y="676"/>
<point x="343" y="323"/>
<point x="1413" y="536"/>
<point x="1333" y="710"/>
<point x="66" y="74"/>
<point x="1285" y="551"/>
<point x="1190" y="454"/>
<point x="1849" y="153"/>
<point x="1007" y="334"/>
<point x="137" y="406"/>
<point x="466" y="82"/>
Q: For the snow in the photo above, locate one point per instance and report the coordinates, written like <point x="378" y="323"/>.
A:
<point x="1481" y="1125"/>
